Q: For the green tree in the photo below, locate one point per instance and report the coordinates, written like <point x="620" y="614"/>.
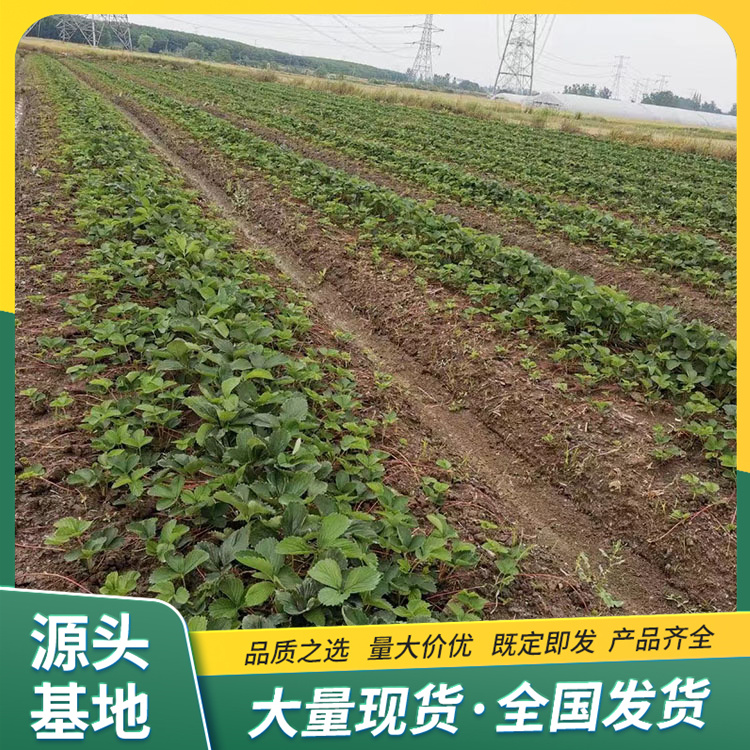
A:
<point x="194" y="50"/>
<point x="733" y="110"/>
<point x="468" y="86"/>
<point x="588" y="89"/>
<point x="145" y="42"/>
<point x="222" y="54"/>
<point x="670" y="99"/>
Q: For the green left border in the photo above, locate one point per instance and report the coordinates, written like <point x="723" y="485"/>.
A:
<point x="743" y="545"/>
<point x="8" y="465"/>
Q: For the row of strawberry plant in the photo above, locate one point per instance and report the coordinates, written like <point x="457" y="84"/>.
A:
<point x="258" y="494"/>
<point x="691" y="191"/>
<point x="629" y="170"/>
<point x="635" y="343"/>
<point x="696" y="258"/>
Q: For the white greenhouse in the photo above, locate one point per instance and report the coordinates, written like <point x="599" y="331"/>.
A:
<point x="611" y="108"/>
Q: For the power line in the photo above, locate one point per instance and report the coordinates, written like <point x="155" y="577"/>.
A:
<point x="329" y="36"/>
<point x="578" y="64"/>
<point x="359" y="36"/>
<point x="367" y="27"/>
<point x="261" y="21"/>
<point x="549" y="31"/>
<point x="263" y="35"/>
<point x="574" y="74"/>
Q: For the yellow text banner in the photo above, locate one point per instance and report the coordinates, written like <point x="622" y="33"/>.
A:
<point x="472" y="644"/>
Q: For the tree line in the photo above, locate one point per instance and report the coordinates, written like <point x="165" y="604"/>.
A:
<point x="199" y="47"/>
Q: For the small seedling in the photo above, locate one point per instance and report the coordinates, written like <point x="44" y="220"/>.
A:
<point x="36" y="397"/>
<point x="61" y="403"/>
<point x="383" y="380"/>
<point x="435" y="490"/>
<point x="120" y="584"/>
<point x="34" y="471"/>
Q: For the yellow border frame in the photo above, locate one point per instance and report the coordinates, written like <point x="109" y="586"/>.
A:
<point x="220" y="652"/>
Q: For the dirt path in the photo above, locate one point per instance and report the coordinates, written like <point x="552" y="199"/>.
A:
<point x="20" y="97"/>
<point x="547" y="514"/>
<point x="19" y="112"/>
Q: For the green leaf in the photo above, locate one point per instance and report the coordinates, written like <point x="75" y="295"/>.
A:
<point x="331" y="528"/>
<point x="331" y="597"/>
<point x="294" y="545"/>
<point x="194" y="558"/>
<point x="222" y="609"/>
<point x="233" y="589"/>
<point x="184" y="565"/>
<point x="120" y="584"/>
<point x="359" y="580"/>
<point x="202" y="407"/>
<point x="85" y="477"/>
<point x="162" y="575"/>
<point x="259" y="374"/>
<point x="228" y="385"/>
<point x="251" y="560"/>
<point x="507" y="566"/>
<point x="354" y="616"/>
<point x="352" y="442"/>
<point x="259" y="593"/>
<point x="316" y="617"/>
<point x="163" y="589"/>
<point x="66" y="529"/>
<point x="294" y="409"/>
<point x="327" y="572"/>
<point x="145" y="529"/>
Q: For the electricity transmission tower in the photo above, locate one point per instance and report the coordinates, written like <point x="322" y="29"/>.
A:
<point x="516" y="71"/>
<point x="640" y="89"/>
<point x="120" y="26"/>
<point x="91" y="26"/>
<point x="66" y="28"/>
<point x="421" y="69"/>
<point x="31" y="28"/>
<point x="619" y="72"/>
<point x="661" y="82"/>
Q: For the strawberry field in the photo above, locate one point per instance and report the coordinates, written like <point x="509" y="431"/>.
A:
<point x="290" y="357"/>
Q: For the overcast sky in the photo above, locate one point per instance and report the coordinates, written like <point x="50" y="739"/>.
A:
<point x="691" y="52"/>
